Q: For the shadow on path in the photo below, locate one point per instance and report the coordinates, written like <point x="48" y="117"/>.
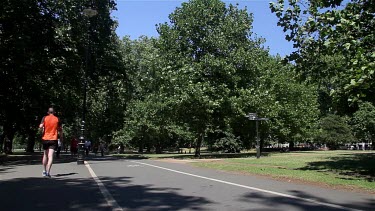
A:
<point x="12" y="162"/>
<point x="277" y="202"/>
<point x="51" y="194"/>
<point x="59" y="193"/>
<point x="147" y="197"/>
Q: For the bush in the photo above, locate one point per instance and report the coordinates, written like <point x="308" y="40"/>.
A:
<point x="228" y="144"/>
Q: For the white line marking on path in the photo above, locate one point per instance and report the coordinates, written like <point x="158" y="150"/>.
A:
<point x="252" y="188"/>
<point x="133" y="165"/>
<point x="107" y="195"/>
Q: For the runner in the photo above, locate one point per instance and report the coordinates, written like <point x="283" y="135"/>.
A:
<point x="51" y="127"/>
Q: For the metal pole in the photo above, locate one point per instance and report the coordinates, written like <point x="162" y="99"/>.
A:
<point x="258" y="141"/>
<point x="81" y="144"/>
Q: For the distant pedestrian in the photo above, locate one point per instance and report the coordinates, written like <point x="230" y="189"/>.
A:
<point x="73" y="146"/>
<point x="87" y="146"/>
<point x="51" y="127"/>
<point x="95" y="148"/>
<point x="102" y="148"/>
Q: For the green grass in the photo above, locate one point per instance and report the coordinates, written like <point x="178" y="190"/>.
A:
<point x="349" y="169"/>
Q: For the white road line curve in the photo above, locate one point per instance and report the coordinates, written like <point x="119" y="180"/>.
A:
<point x="253" y="188"/>
<point x="107" y="195"/>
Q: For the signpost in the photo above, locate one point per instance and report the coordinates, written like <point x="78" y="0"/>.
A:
<point x="254" y="117"/>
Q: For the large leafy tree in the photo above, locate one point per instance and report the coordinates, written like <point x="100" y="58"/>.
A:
<point x="206" y="46"/>
<point x="321" y="28"/>
<point x="198" y="80"/>
<point x="43" y="46"/>
<point x="291" y="106"/>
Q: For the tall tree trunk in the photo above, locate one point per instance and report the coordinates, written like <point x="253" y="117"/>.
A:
<point x="9" y="132"/>
<point x="198" y="147"/>
<point x="31" y="140"/>
<point x="291" y="145"/>
<point x="140" y="147"/>
<point x="158" y="148"/>
<point x="1" y="142"/>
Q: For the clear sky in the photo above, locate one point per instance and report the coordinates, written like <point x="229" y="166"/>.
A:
<point x="139" y="17"/>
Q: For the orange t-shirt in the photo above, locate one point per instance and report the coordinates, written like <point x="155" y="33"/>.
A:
<point x="51" y="125"/>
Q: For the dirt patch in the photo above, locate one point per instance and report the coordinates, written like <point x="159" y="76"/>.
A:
<point x="249" y="164"/>
<point x="171" y="160"/>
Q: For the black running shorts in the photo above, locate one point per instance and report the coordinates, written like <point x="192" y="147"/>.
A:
<point x="49" y="144"/>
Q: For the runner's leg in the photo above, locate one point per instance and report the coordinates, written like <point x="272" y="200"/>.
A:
<point x="50" y="160"/>
<point x="45" y="159"/>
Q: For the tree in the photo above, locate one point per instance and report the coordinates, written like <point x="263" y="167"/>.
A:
<point x="364" y="123"/>
<point x="329" y="27"/>
<point x="334" y="131"/>
<point x="205" y="46"/>
<point x="290" y="105"/>
<point x="42" y="46"/>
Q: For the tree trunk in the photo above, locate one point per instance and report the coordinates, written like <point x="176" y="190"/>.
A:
<point x="198" y="147"/>
<point x="31" y="140"/>
<point x="9" y="132"/>
<point x="140" y="146"/>
<point x="158" y="149"/>
<point x="291" y="145"/>
<point x="1" y="142"/>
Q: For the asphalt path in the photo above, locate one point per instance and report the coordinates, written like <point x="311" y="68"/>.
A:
<point x="166" y="185"/>
<point x="111" y="184"/>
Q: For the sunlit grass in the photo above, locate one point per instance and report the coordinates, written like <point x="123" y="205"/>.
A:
<point x="348" y="169"/>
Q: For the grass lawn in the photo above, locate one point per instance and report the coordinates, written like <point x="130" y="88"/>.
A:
<point x="344" y="169"/>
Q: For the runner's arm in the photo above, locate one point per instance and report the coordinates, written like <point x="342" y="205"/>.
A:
<point x="41" y="125"/>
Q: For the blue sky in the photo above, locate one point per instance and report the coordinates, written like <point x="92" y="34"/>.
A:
<point x="139" y="17"/>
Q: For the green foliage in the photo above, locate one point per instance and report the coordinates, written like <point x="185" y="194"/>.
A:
<point x="364" y="122"/>
<point x="334" y="131"/>
<point x="206" y="44"/>
<point x="228" y="143"/>
<point x="191" y="86"/>
<point x="202" y="75"/>
<point x="44" y="45"/>
<point x="324" y="28"/>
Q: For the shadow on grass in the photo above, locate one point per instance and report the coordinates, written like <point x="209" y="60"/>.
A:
<point x="83" y="194"/>
<point x="284" y="203"/>
<point x="189" y="156"/>
<point x="355" y="165"/>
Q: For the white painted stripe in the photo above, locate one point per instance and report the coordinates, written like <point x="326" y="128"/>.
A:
<point x="107" y="195"/>
<point x="253" y="188"/>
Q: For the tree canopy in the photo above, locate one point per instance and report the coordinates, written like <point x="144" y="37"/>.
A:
<point x="193" y="84"/>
